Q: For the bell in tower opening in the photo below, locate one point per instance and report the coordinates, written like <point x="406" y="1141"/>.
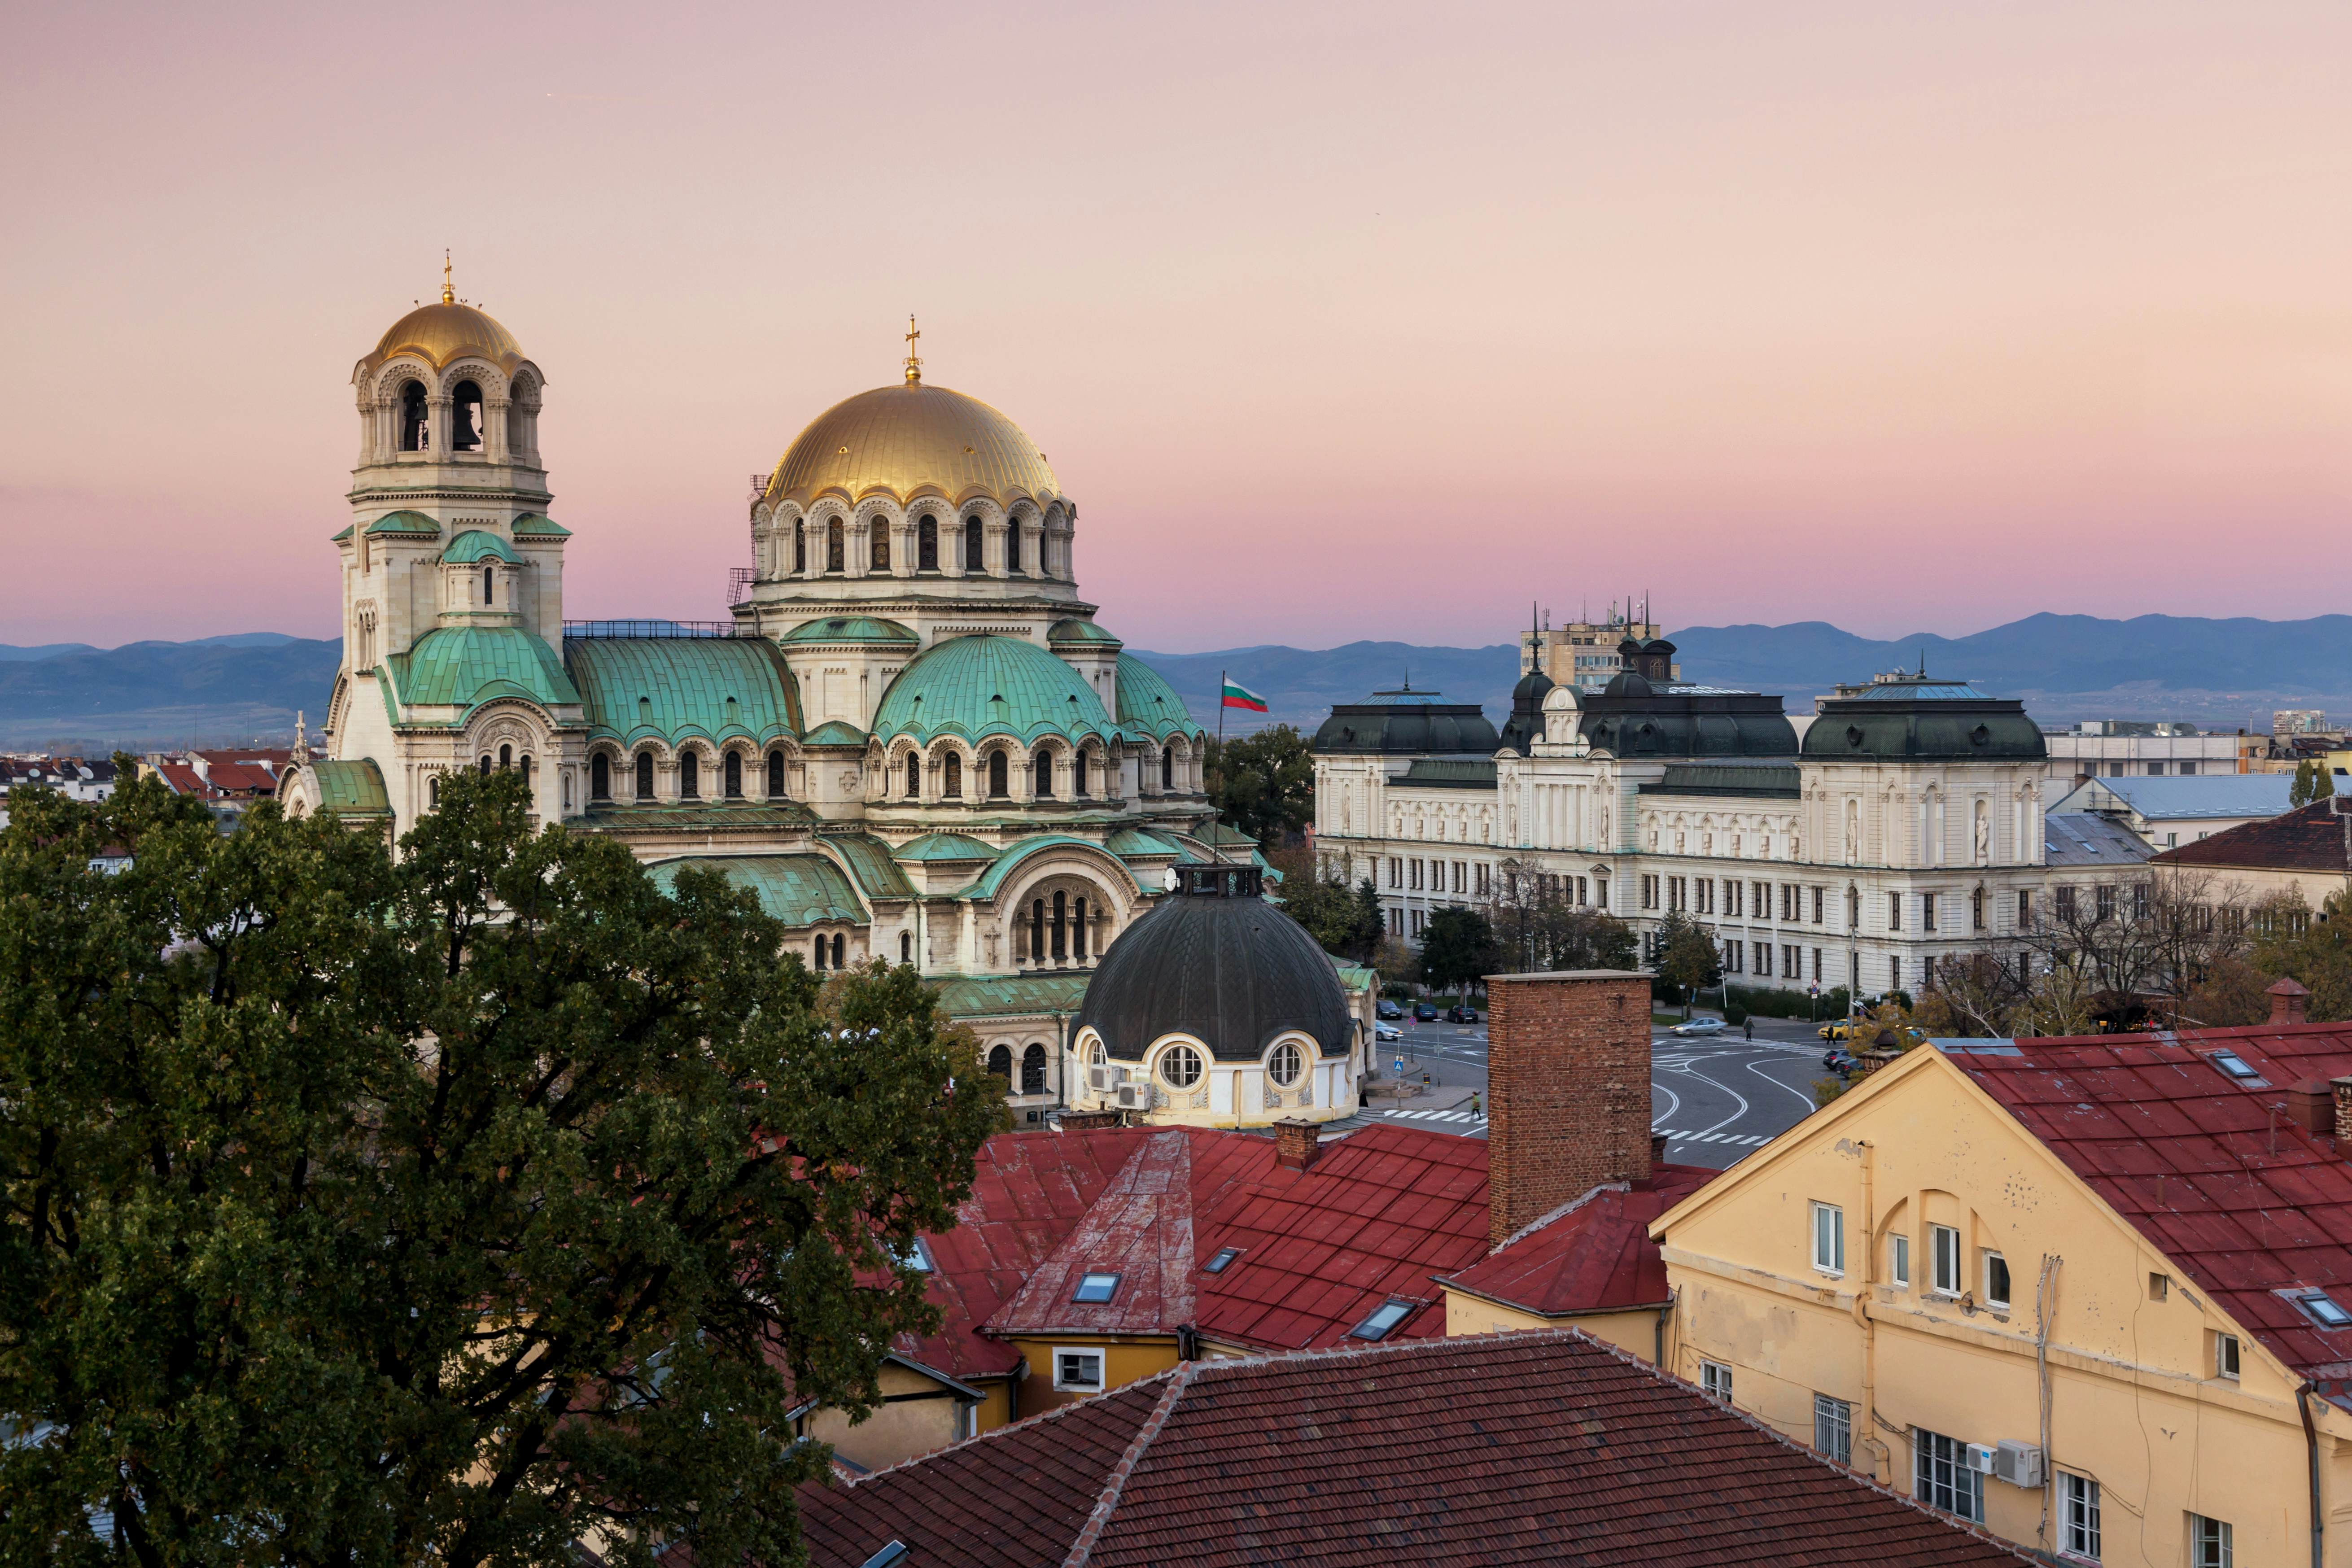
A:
<point x="466" y="417"/>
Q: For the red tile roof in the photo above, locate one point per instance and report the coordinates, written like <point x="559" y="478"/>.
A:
<point x="1140" y="1229"/>
<point x="1544" y="1448"/>
<point x="181" y="779"/>
<point x="2245" y="1203"/>
<point x="1594" y="1254"/>
<point x="2310" y="839"/>
<point x="242" y="778"/>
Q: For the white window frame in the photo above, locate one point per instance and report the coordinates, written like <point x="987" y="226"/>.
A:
<point x="2227" y="1353"/>
<point x="1833" y="1429"/>
<point x="1715" y="1380"/>
<point x="1944" y="1259"/>
<point x="1102" y="1370"/>
<point x="1940" y="1475"/>
<point x="2210" y="1543"/>
<point x="1899" y="1259"/>
<point x="2078" y="1517"/>
<point x="1828" y="1239"/>
<point x="1992" y="1257"/>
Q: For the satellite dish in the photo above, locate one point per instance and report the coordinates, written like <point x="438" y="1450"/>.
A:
<point x="1169" y="880"/>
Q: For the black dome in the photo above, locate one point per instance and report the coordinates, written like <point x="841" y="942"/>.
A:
<point x="1408" y="722"/>
<point x="1525" y="726"/>
<point x="1228" y="969"/>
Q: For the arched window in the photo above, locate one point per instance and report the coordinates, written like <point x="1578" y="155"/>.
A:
<point x="972" y="554"/>
<point x="878" y="558"/>
<point x="906" y="947"/>
<point x="926" y="544"/>
<point x="1061" y="926"/>
<point x="1078" y="775"/>
<point x="644" y="775"/>
<point x="1040" y="767"/>
<point x="775" y="776"/>
<point x="433" y="793"/>
<point x="734" y="776"/>
<point x="1033" y="1069"/>
<point x="600" y="777"/>
<point x="820" y="952"/>
<point x="466" y="417"/>
<point x="506" y="757"/>
<point x="800" y="549"/>
<point x="1285" y="1065"/>
<point x="486" y="765"/>
<point x="490" y="587"/>
<point x="1013" y="545"/>
<point x="1078" y="929"/>
<point x="689" y="776"/>
<point x="1180" y="1066"/>
<point x="415" y="432"/>
<point x="1167" y="767"/>
<point x="914" y="775"/>
<point x="996" y="772"/>
<point x="1037" y="931"/>
<point x="832" y="547"/>
<point x="1000" y="1062"/>
<point x="951" y="777"/>
<point x="837" y="950"/>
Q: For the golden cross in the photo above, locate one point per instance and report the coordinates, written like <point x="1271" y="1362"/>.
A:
<point x="914" y="365"/>
<point x="448" y="293"/>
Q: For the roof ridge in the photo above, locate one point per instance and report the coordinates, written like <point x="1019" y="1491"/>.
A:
<point x="1560" y="1213"/>
<point x="1056" y="1413"/>
<point x="1106" y="1505"/>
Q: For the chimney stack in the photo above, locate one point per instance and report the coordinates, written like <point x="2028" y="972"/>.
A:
<point x="1297" y="1143"/>
<point x="2287" y="1000"/>
<point x="2311" y="1105"/>
<point x="1568" y="1090"/>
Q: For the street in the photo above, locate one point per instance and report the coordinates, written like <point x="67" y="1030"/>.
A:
<point x="1717" y="1097"/>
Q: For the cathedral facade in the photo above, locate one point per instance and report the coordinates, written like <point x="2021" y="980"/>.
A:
<point x="912" y="738"/>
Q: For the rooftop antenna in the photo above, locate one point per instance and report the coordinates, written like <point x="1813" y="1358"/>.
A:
<point x="914" y="365"/>
<point x="448" y="288"/>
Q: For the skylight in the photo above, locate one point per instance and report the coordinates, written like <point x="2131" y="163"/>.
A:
<point x="1096" y="1287"/>
<point x="2323" y="1309"/>
<point x="1226" y="1255"/>
<point x="2233" y="1064"/>
<point x="918" y="1257"/>
<point x="1385" y="1318"/>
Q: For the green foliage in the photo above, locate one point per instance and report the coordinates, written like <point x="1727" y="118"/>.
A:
<point x="2312" y="781"/>
<point x="1687" y="960"/>
<point x="1779" y="1001"/>
<point x="1346" y="922"/>
<point x="1263" y="784"/>
<point x="2316" y="952"/>
<point x="1538" y="928"/>
<point x="440" y="1211"/>
<point x="1457" y="947"/>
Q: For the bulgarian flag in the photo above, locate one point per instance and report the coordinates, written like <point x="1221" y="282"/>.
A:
<point x="1240" y="696"/>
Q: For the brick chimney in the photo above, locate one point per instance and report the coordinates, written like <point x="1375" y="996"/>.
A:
<point x="2311" y="1105"/>
<point x="2287" y="1000"/>
<point x="1297" y="1143"/>
<point x="1568" y="1090"/>
<point x="2343" y="1088"/>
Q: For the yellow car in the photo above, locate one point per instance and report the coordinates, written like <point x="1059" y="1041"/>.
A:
<point x="1838" y="1031"/>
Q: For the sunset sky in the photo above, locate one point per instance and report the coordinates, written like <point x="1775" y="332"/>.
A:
<point x="1336" y="321"/>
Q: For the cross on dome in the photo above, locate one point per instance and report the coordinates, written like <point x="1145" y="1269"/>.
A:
<point x="914" y="365"/>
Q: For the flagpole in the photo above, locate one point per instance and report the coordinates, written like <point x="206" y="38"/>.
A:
<point x="1221" y="718"/>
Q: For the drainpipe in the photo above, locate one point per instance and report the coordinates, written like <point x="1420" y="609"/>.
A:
<point x="1658" y="1355"/>
<point x="2310" y="1447"/>
<point x="1869" y="1325"/>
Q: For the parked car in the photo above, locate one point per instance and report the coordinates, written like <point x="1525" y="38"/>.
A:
<point x="1385" y="1033"/>
<point x="1387" y="1009"/>
<point x="1700" y="1026"/>
<point x="1462" y="1012"/>
<point x="1424" y="1012"/>
<point x="1839" y="1062"/>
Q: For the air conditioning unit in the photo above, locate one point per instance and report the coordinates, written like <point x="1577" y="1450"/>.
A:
<point x="2018" y="1464"/>
<point x="1980" y="1457"/>
<point x="1131" y="1096"/>
<point x="1101" y="1078"/>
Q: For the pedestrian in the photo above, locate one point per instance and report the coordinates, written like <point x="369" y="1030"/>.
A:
<point x="1475" y="1112"/>
<point x="1748" y="1027"/>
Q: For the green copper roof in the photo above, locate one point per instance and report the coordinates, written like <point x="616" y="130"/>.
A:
<point x="477" y="544"/>
<point x="1149" y="704"/>
<point x="1129" y="841"/>
<point x="870" y="862"/>
<point x="850" y="629"/>
<point x="1013" y="996"/>
<point x="943" y="846"/>
<point x="798" y="890"/>
<point x="1356" y="977"/>
<point x="352" y="788"/>
<point x="345" y="534"/>
<point x="713" y="688"/>
<point x="1080" y="631"/>
<point x="532" y="524"/>
<point x="975" y="686"/>
<point x="404" y="523"/>
<point x="463" y="667"/>
<point x="692" y="816"/>
<point x="990" y="880"/>
<point x="834" y="732"/>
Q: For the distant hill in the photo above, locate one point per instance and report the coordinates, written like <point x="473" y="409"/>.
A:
<point x="2219" y="673"/>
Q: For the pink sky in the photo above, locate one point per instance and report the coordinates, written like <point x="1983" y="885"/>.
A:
<point x="1357" y="320"/>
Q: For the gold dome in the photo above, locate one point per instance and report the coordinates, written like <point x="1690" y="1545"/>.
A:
<point x="442" y="333"/>
<point x="912" y="438"/>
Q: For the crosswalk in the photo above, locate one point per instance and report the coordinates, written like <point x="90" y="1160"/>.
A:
<point x="1438" y="1116"/>
<point x="1462" y="1117"/>
<point x="1671" y="1135"/>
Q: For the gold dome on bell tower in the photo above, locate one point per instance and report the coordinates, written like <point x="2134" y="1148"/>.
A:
<point x="446" y="331"/>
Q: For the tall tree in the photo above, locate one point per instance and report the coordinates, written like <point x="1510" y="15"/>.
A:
<point x="1346" y="923"/>
<point x="1263" y="784"/>
<point x="1687" y="959"/>
<point x="1457" y="947"/>
<point x="455" y="1210"/>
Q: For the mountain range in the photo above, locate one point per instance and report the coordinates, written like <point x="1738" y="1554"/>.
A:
<point x="2221" y="673"/>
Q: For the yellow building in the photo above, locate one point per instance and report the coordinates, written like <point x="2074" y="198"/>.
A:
<point x="2095" y="1294"/>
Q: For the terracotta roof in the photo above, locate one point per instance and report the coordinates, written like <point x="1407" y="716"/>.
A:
<point x="2310" y="839"/>
<point x="181" y="779"/>
<point x="2246" y="1204"/>
<point x="1594" y="1254"/>
<point x="1504" y="1448"/>
<point x="243" y="778"/>
<point x="1139" y="1231"/>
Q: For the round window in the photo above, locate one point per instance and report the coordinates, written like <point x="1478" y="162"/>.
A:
<point x="1181" y="1066"/>
<point x="1284" y="1066"/>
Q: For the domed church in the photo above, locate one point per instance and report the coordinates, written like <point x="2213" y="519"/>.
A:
<point x="911" y="738"/>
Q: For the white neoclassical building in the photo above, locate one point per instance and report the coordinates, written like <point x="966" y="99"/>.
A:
<point x="911" y="736"/>
<point x="1906" y="828"/>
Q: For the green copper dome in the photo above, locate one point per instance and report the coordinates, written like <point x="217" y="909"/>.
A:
<point x="476" y="544"/>
<point x="1148" y="704"/>
<point x="1077" y="631"/>
<point x="975" y="686"/>
<point x="849" y="628"/>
